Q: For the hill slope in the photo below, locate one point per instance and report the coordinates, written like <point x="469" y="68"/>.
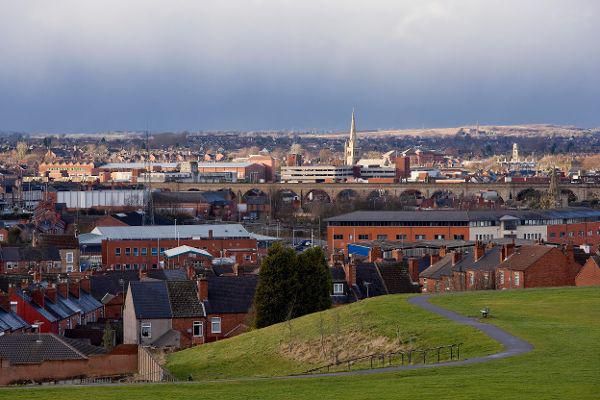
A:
<point x="380" y="324"/>
<point x="563" y="324"/>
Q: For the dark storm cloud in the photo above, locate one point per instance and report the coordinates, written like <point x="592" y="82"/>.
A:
<point x="98" y="65"/>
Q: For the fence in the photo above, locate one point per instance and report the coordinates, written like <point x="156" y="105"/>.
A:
<point x="149" y="369"/>
<point x="403" y="357"/>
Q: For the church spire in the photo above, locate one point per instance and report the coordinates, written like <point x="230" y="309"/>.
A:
<point x="350" y="148"/>
<point x="352" y="127"/>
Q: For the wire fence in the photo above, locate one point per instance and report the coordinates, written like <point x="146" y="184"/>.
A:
<point x="432" y="355"/>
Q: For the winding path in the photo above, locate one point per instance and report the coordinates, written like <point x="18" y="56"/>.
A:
<point x="512" y="344"/>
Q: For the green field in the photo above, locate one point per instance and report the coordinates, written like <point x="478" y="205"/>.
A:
<point x="563" y="324"/>
<point x="373" y="325"/>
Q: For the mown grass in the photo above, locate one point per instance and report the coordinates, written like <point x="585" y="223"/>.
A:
<point x="260" y="353"/>
<point x="563" y="325"/>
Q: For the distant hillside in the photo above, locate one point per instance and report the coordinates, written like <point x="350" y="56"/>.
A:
<point x="358" y="329"/>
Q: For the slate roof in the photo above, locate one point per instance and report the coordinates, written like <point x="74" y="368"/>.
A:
<point x="28" y="253"/>
<point x="524" y="257"/>
<point x="488" y="262"/>
<point x="150" y="300"/>
<point x="11" y="322"/>
<point x="136" y="218"/>
<point x="442" y="267"/>
<point x="178" y="274"/>
<point x="109" y="282"/>
<point x="50" y="316"/>
<point x="59" y="241"/>
<point x="183" y="297"/>
<point x="230" y="294"/>
<point x="30" y="348"/>
<point x="87" y="302"/>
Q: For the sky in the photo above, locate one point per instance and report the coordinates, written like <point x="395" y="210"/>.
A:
<point x="94" y="66"/>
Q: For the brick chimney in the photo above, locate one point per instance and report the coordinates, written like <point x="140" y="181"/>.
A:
<point x="413" y="269"/>
<point x="37" y="277"/>
<point x="63" y="288"/>
<point x="443" y="251"/>
<point x="210" y="234"/>
<point x="37" y="295"/>
<point x="202" y="284"/>
<point x="236" y="269"/>
<point x="433" y="258"/>
<point x="4" y="301"/>
<point x="397" y="255"/>
<point x="507" y="251"/>
<point x="86" y="285"/>
<point x="478" y="251"/>
<point x="51" y="292"/>
<point x="456" y="256"/>
<point x="375" y="254"/>
<point x="74" y="288"/>
<point x="350" y="272"/>
<point x="191" y="272"/>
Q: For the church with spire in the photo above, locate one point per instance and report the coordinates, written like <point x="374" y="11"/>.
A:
<point x="351" y="151"/>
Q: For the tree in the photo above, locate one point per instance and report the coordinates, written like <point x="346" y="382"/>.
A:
<point x="274" y="293"/>
<point x="313" y="291"/>
<point x="14" y="235"/>
<point x="296" y="148"/>
<point x="107" y="337"/>
<point x="291" y="285"/>
<point x="21" y="151"/>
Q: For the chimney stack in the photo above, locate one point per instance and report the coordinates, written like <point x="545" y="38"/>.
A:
<point x="4" y="301"/>
<point x="350" y="272"/>
<point x="456" y="256"/>
<point x="413" y="269"/>
<point x="37" y="295"/>
<point x="191" y="272"/>
<point x="236" y="269"/>
<point x="51" y="292"/>
<point x="202" y="284"/>
<point x="86" y="284"/>
<point x="507" y="251"/>
<point x="375" y="254"/>
<point x="397" y="255"/>
<point x="74" y="288"/>
<point x="443" y="251"/>
<point x="210" y="234"/>
<point x="478" y="251"/>
<point x="63" y="288"/>
<point x="433" y="258"/>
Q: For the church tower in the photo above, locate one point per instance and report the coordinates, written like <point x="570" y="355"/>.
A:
<point x="350" y="148"/>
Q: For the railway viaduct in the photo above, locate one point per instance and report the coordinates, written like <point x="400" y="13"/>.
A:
<point x="337" y="191"/>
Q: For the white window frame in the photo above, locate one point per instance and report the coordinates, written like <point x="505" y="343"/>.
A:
<point x="214" y="323"/>
<point x="198" y="324"/>
<point x="338" y="288"/>
<point x="146" y="326"/>
<point x="69" y="257"/>
<point x="517" y="279"/>
<point x="501" y="277"/>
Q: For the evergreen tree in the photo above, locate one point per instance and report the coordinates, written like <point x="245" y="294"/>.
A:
<point x="291" y="285"/>
<point x="313" y="280"/>
<point x="275" y="291"/>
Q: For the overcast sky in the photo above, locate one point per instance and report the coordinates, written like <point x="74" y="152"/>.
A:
<point x="252" y="65"/>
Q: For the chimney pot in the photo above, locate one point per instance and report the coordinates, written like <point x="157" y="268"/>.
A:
<point x="202" y="284"/>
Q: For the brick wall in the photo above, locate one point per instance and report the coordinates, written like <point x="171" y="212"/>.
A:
<point x="232" y="324"/>
<point x="121" y="361"/>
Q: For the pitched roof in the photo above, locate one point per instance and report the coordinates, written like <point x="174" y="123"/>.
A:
<point x="178" y="274"/>
<point x="183" y="297"/>
<point x="29" y="348"/>
<point x="230" y="294"/>
<point x="488" y="262"/>
<point x="442" y="267"/>
<point x="110" y="282"/>
<point x="150" y="300"/>
<point x="185" y="249"/>
<point x="525" y="256"/>
<point x="10" y="321"/>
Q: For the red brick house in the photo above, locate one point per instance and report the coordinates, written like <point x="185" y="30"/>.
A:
<point x="537" y="266"/>
<point x="589" y="274"/>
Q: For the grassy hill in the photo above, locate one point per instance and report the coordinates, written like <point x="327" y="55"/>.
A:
<point x="563" y="324"/>
<point x="380" y="324"/>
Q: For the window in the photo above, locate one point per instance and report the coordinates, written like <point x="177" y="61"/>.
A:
<point x="382" y="237"/>
<point x="198" y="329"/>
<point x="459" y="237"/>
<point x="440" y="237"/>
<point x="118" y="267"/>
<point x="127" y="251"/>
<point x="401" y="237"/>
<point x="471" y="278"/>
<point x="363" y="237"/>
<point x="127" y="266"/>
<point x="69" y="257"/>
<point x="146" y="331"/>
<point x="154" y="251"/>
<point x="517" y="279"/>
<point x="419" y="237"/>
<point x="247" y="257"/>
<point x="552" y="234"/>
<point x="338" y="237"/>
<point x="136" y="252"/>
<point x="338" y="288"/>
<point x="69" y="268"/>
<point x="144" y="251"/>
<point x="501" y="277"/>
<point x="13" y="307"/>
<point x="162" y="250"/>
<point x="117" y="251"/>
<point x="215" y="324"/>
<point x="590" y="233"/>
